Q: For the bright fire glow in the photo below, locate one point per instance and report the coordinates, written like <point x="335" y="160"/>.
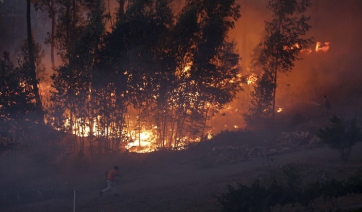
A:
<point x="320" y="47"/>
<point x="81" y="128"/>
<point x="209" y="136"/>
<point x="252" y="79"/>
<point x="292" y="47"/>
<point x="142" y="142"/>
<point x="280" y="110"/>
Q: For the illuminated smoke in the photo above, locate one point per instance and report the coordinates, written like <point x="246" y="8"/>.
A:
<point x="331" y="66"/>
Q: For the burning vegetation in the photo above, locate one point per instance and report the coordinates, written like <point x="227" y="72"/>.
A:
<point x="149" y="77"/>
<point x="151" y="82"/>
<point x="141" y="83"/>
<point x="141" y="76"/>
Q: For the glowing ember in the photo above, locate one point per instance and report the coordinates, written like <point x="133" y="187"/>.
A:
<point x="280" y="110"/>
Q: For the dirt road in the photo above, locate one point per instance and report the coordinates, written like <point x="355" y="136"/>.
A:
<point x="178" y="187"/>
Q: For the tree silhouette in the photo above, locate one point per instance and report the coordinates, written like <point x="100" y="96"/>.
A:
<point x="174" y="74"/>
<point x="260" y="111"/>
<point x="31" y="61"/>
<point x="282" y="41"/>
<point x="18" y="108"/>
<point x="341" y="136"/>
<point x="73" y="80"/>
<point x="211" y="78"/>
<point x="51" y="7"/>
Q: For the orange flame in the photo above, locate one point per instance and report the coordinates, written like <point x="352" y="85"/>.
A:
<point x="296" y="45"/>
<point x="252" y="79"/>
<point x="142" y="142"/>
<point x="320" y="47"/>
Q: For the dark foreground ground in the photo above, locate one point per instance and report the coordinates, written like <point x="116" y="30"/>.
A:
<point x="176" y="184"/>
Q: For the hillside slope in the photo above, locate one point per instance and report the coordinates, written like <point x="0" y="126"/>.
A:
<point x="176" y="185"/>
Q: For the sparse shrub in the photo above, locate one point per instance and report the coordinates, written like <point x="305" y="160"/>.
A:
<point x="244" y="198"/>
<point x="287" y="188"/>
<point x="339" y="137"/>
<point x="274" y="190"/>
<point x="310" y="192"/>
<point x="354" y="183"/>
<point x="333" y="189"/>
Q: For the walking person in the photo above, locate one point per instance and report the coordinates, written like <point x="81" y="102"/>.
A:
<point x="111" y="174"/>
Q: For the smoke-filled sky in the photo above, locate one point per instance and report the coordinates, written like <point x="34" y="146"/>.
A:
<point x="336" y="73"/>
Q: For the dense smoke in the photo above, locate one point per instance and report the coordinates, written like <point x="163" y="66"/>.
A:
<point x="336" y="72"/>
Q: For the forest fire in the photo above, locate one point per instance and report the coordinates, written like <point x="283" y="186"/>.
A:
<point x="148" y="140"/>
<point x="179" y="94"/>
<point x="140" y="141"/>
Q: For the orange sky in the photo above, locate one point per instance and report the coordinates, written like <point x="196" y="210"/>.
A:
<point x="335" y="73"/>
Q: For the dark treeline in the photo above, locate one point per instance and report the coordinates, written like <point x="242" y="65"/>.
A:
<point x="173" y="71"/>
<point x="283" y="39"/>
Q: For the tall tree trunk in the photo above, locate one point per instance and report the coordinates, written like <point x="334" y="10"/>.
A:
<point x="164" y="130"/>
<point x="121" y="8"/>
<point x="139" y="125"/>
<point x="275" y="89"/>
<point x="110" y="14"/>
<point x="204" y="124"/>
<point x="276" y="70"/>
<point x="74" y="15"/>
<point x="52" y="43"/>
<point x="34" y="80"/>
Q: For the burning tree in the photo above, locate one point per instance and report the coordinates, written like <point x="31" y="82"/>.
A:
<point x="262" y="97"/>
<point x="283" y="40"/>
<point x="149" y="73"/>
<point x="31" y="63"/>
<point x="205" y="72"/>
<point x="74" y="97"/>
<point x="51" y="7"/>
